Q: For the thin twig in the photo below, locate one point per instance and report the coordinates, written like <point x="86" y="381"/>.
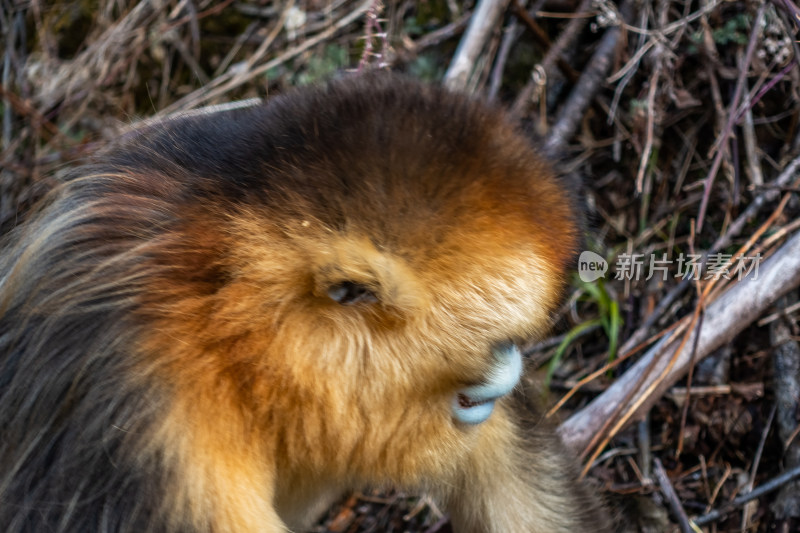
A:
<point x="672" y="498"/>
<point x="202" y="95"/>
<point x="572" y="111"/>
<point x="510" y="36"/>
<point x="751" y="481"/>
<point x="769" y="194"/>
<point x="722" y="141"/>
<point x="607" y="367"/>
<point x="690" y="376"/>
<point x="649" y="381"/>
<point x="782" y="313"/>
<point x="435" y="37"/>
<point x="770" y="486"/>
<point x="564" y="41"/>
<point x="644" y="160"/>
<point x="749" y="140"/>
<point x="544" y="40"/>
<point x="678" y="24"/>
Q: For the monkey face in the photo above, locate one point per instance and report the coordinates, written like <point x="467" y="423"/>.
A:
<point x="382" y="252"/>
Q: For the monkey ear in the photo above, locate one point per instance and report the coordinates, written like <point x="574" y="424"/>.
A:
<point x="351" y="292"/>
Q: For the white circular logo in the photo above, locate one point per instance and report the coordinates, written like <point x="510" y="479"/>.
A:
<point x="591" y="266"/>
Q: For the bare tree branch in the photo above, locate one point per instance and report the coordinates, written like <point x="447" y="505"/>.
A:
<point x="725" y="318"/>
<point x="484" y="20"/>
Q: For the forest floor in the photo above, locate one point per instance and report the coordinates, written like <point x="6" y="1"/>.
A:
<point x="676" y="377"/>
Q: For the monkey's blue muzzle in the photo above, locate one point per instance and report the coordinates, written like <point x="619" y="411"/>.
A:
<point x="474" y="404"/>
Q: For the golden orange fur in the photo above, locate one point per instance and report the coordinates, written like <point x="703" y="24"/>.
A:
<point x="210" y="251"/>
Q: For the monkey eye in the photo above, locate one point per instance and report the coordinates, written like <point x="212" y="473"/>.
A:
<point x="351" y="292"/>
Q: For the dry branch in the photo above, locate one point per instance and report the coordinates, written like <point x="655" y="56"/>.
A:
<point x="786" y="365"/>
<point x="724" y="135"/>
<point x="541" y="37"/>
<point x="227" y="82"/>
<point x="566" y="39"/>
<point x="766" y="488"/>
<point x="672" y="498"/>
<point x="769" y="194"/>
<point x="725" y="318"/>
<point x="484" y="20"/>
<point x="588" y="85"/>
<point x="102" y="60"/>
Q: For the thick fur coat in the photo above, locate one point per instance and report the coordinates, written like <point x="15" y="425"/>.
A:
<point x="229" y="319"/>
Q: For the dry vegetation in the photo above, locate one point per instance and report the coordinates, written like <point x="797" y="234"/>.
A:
<point x="682" y="117"/>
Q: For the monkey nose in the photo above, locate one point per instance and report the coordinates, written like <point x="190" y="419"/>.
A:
<point x="473" y="405"/>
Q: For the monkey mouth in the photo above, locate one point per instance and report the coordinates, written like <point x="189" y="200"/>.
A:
<point x="466" y="402"/>
<point x="474" y="404"/>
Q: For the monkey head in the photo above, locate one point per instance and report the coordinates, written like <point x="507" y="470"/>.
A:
<point x="247" y="312"/>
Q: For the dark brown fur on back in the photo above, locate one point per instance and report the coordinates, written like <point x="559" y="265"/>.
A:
<point x="174" y="355"/>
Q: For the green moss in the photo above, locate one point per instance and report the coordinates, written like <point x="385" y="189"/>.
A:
<point x="320" y="67"/>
